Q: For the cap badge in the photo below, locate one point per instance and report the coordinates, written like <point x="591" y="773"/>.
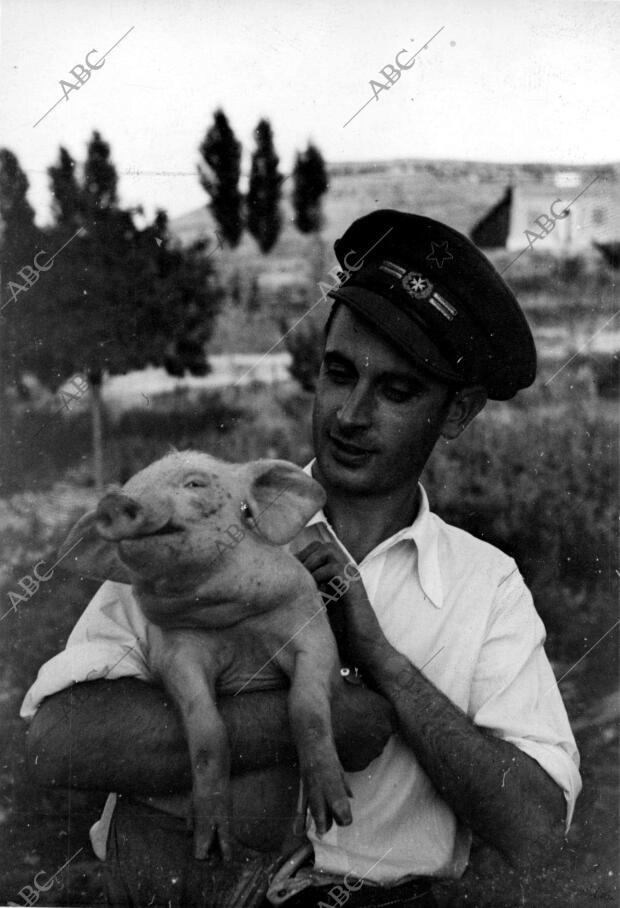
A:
<point x="416" y="285"/>
<point x="419" y="287"/>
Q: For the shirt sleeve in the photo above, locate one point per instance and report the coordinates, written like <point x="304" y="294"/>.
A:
<point x="108" y="641"/>
<point x="514" y="693"/>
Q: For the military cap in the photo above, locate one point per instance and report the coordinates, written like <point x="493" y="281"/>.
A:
<point x="429" y="289"/>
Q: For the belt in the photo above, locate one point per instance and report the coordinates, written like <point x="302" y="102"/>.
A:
<point x="300" y="886"/>
<point x="414" y="894"/>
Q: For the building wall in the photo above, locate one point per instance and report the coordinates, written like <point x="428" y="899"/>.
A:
<point x="594" y="216"/>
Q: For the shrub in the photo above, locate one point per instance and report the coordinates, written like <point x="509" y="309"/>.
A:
<point x="305" y="344"/>
<point x="606" y="371"/>
<point x="541" y="484"/>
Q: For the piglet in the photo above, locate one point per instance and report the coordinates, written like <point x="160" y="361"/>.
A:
<point x="202" y="543"/>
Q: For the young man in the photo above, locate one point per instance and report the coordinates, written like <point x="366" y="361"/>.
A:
<point x="439" y="623"/>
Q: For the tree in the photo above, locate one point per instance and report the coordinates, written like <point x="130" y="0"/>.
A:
<point x="263" y="215"/>
<point x="305" y="344"/>
<point x="221" y="153"/>
<point x="100" y="179"/>
<point x="67" y="204"/>
<point x="253" y="299"/>
<point x="310" y="183"/>
<point x="118" y="298"/>
<point x="20" y="243"/>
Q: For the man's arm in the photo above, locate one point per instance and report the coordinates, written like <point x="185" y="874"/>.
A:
<point x="126" y="736"/>
<point x="501" y="793"/>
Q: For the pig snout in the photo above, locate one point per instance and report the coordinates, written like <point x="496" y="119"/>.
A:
<point x="120" y="517"/>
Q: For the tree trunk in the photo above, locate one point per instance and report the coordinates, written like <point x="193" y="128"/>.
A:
<point x="96" y="409"/>
<point x="320" y="270"/>
<point x="7" y="439"/>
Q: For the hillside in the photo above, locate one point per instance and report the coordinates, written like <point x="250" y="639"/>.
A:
<point x="286" y="280"/>
<point x="458" y="192"/>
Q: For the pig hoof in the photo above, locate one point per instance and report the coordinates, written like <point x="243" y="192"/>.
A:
<point x="202" y="846"/>
<point x="225" y="846"/>
<point x="205" y="843"/>
<point x="342" y="812"/>
<point x="328" y="802"/>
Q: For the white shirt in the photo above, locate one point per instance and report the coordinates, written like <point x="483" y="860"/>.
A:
<point x="459" y="610"/>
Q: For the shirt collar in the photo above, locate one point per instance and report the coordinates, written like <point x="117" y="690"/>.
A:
<point x="422" y="532"/>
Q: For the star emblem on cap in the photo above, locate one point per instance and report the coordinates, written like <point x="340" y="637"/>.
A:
<point x="437" y="256"/>
<point x="417" y="285"/>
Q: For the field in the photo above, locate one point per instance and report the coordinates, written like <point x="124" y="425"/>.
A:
<point x="537" y="477"/>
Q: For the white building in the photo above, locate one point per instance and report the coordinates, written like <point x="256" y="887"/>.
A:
<point x="539" y="206"/>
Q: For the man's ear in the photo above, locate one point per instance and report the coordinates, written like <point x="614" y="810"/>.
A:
<point x="464" y="406"/>
<point x="282" y="499"/>
<point x="85" y="552"/>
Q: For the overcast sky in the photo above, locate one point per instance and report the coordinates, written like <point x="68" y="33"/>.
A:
<point x="499" y="81"/>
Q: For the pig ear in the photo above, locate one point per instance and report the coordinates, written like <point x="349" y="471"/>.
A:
<point x="282" y="499"/>
<point x="85" y="552"/>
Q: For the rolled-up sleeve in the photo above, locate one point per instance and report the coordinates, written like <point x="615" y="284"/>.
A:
<point x="515" y="695"/>
<point x="108" y="641"/>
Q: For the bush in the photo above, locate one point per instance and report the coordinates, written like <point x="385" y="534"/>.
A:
<point x="541" y="484"/>
<point x="606" y="372"/>
<point x="48" y="444"/>
<point x="305" y="344"/>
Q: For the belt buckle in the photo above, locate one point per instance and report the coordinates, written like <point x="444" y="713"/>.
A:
<point x="286" y="881"/>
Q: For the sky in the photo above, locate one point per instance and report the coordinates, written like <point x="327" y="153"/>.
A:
<point x="518" y="81"/>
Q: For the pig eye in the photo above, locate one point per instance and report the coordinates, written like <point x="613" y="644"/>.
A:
<point x="246" y="512"/>
<point x="195" y="484"/>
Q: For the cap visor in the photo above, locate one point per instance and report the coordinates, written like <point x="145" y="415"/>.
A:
<point x="402" y="331"/>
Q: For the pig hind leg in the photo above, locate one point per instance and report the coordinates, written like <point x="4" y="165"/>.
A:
<point x="185" y="679"/>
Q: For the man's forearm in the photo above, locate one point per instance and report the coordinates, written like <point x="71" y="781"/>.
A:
<point x="126" y="736"/>
<point x="493" y="787"/>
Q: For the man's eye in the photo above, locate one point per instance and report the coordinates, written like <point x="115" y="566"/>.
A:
<point x="336" y="375"/>
<point x="246" y="514"/>
<point x="398" y="395"/>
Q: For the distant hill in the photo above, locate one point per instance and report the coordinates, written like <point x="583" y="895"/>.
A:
<point x="457" y="192"/>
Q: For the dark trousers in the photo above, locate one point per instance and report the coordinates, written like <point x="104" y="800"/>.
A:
<point x="149" y="864"/>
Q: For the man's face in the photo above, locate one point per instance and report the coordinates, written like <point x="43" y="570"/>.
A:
<point x="376" y="417"/>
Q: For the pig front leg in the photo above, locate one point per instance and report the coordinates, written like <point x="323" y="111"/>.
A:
<point x="185" y="666"/>
<point x="310" y="717"/>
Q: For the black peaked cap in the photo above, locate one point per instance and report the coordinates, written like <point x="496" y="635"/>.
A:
<point x="429" y="289"/>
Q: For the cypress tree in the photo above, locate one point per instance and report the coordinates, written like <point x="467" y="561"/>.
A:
<point x="221" y="153"/>
<point x="264" y="220"/>
<point x="310" y="183"/>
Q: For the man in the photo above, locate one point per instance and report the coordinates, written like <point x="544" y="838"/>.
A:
<point x="439" y="623"/>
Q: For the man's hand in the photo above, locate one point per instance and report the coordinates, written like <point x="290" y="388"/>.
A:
<point x="360" y="639"/>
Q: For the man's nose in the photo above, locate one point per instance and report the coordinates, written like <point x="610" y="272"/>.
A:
<point x="356" y="410"/>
